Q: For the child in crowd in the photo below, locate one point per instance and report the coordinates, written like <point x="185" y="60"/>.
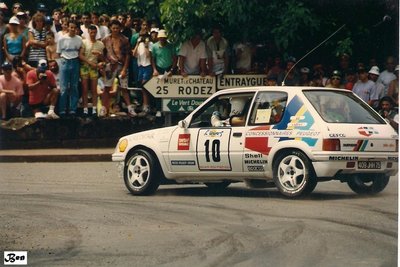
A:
<point x="51" y="47"/>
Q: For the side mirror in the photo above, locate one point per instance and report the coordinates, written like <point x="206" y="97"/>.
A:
<point x="182" y="124"/>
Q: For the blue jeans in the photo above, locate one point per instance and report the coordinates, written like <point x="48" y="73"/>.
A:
<point x="69" y="81"/>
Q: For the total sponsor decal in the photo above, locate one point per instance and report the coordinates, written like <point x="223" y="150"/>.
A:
<point x="184" y="142"/>
<point x="367" y="131"/>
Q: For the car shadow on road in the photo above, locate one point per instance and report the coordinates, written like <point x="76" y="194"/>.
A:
<point x="200" y="191"/>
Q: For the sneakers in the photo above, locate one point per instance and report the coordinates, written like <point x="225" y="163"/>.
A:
<point x="40" y="115"/>
<point x="51" y="115"/>
<point x="131" y="111"/>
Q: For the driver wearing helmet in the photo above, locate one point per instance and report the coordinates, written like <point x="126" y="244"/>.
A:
<point x="236" y="118"/>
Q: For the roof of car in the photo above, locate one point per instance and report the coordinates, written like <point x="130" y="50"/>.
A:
<point x="276" y="88"/>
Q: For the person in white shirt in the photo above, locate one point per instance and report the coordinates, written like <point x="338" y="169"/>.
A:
<point x="217" y="50"/>
<point x="387" y="75"/>
<point x="68" y="48"/>
<point x="192" y="57"/>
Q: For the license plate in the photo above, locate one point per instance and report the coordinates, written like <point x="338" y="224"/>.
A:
<point x="369" y="165"/>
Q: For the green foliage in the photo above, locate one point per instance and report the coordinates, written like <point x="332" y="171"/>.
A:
<point x="294" y="26"/>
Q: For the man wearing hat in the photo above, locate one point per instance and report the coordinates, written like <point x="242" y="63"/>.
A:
<point x="11" y="90"/>
<point x="164" y="57"/>
<point x="373" y="75"/>
<point x="335" y="80"/>
<point x="364" y="88"/>
<point x="42" y="90"/>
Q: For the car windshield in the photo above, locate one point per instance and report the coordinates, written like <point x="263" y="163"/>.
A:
<point x="342" y="107"/>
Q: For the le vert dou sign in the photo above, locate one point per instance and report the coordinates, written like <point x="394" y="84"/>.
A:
<point x="180" y="87"/>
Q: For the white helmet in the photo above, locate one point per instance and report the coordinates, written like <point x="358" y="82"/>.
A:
<point x="237" y="105"/>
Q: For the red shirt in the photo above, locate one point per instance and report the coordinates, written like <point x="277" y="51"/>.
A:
<point x="39" y="92"/>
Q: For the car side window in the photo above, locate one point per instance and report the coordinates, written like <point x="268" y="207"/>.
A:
<point x="224" y="110"/>
<point x="268" y="108"/>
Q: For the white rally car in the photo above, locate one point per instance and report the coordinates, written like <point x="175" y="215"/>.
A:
<point x="290" y="137"/>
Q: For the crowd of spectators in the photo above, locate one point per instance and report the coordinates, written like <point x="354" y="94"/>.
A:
<point x="55" y="63"/>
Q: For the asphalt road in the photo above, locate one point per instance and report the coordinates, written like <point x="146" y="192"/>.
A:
<point x="80" y="214"/>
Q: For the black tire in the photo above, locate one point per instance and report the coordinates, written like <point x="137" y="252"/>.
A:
<point x="218" y="186"/>
<point x="293" y="174"/>
<point x="368" y="184"/>
<point x="142" y="173"/>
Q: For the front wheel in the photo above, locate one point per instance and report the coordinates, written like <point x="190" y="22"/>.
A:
<point x="293" y="174"/>
<point x="142" y="173"/>
<point x="368" y="184"/>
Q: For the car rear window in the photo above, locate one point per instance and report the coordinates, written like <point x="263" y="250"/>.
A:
<point x="342" y="107"/>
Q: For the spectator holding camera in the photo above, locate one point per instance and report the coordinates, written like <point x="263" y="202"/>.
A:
<point x="42" y="91"/>
<point x="11" y="90"/>
<point x="142" y="52"/>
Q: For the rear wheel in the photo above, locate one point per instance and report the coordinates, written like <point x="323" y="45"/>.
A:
<point x="368" y="184"/>
<point x="142" y="173"/>
<point x="293" y="174"/>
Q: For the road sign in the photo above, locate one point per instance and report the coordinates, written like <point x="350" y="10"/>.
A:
<point x="195" y="86"/>
<point x="233" y="81"/>
<point x="177" y="86"/>
<point x="184" y="105"/>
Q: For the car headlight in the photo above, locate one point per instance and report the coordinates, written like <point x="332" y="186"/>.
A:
<point x="123" y="144"/>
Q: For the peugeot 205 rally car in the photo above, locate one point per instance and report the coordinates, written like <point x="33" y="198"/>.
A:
<point x="291" y="137"/>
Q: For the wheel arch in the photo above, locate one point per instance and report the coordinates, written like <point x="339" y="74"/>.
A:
<point x="287" y="150"/>
<point x="150" y="151"/>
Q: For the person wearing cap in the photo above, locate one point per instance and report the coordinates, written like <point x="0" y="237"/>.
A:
<point x="164" y="57"/>
<point x="90" y="54"/>
<point x="68" y="48"/>
<point x="11" y="90"/>
<point x="154" y="35"/>
<point x="42" y="91"/>
<point x="41" y="8"/>
<point x="14" y="41"/>
<point x="393" y="90"/>
<point x="217" y="52"/>
<point x="335" y="80"/>
<point x="365" y="88"/>
<point x="373" y="75"/>
<point x="388" y="112"/>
